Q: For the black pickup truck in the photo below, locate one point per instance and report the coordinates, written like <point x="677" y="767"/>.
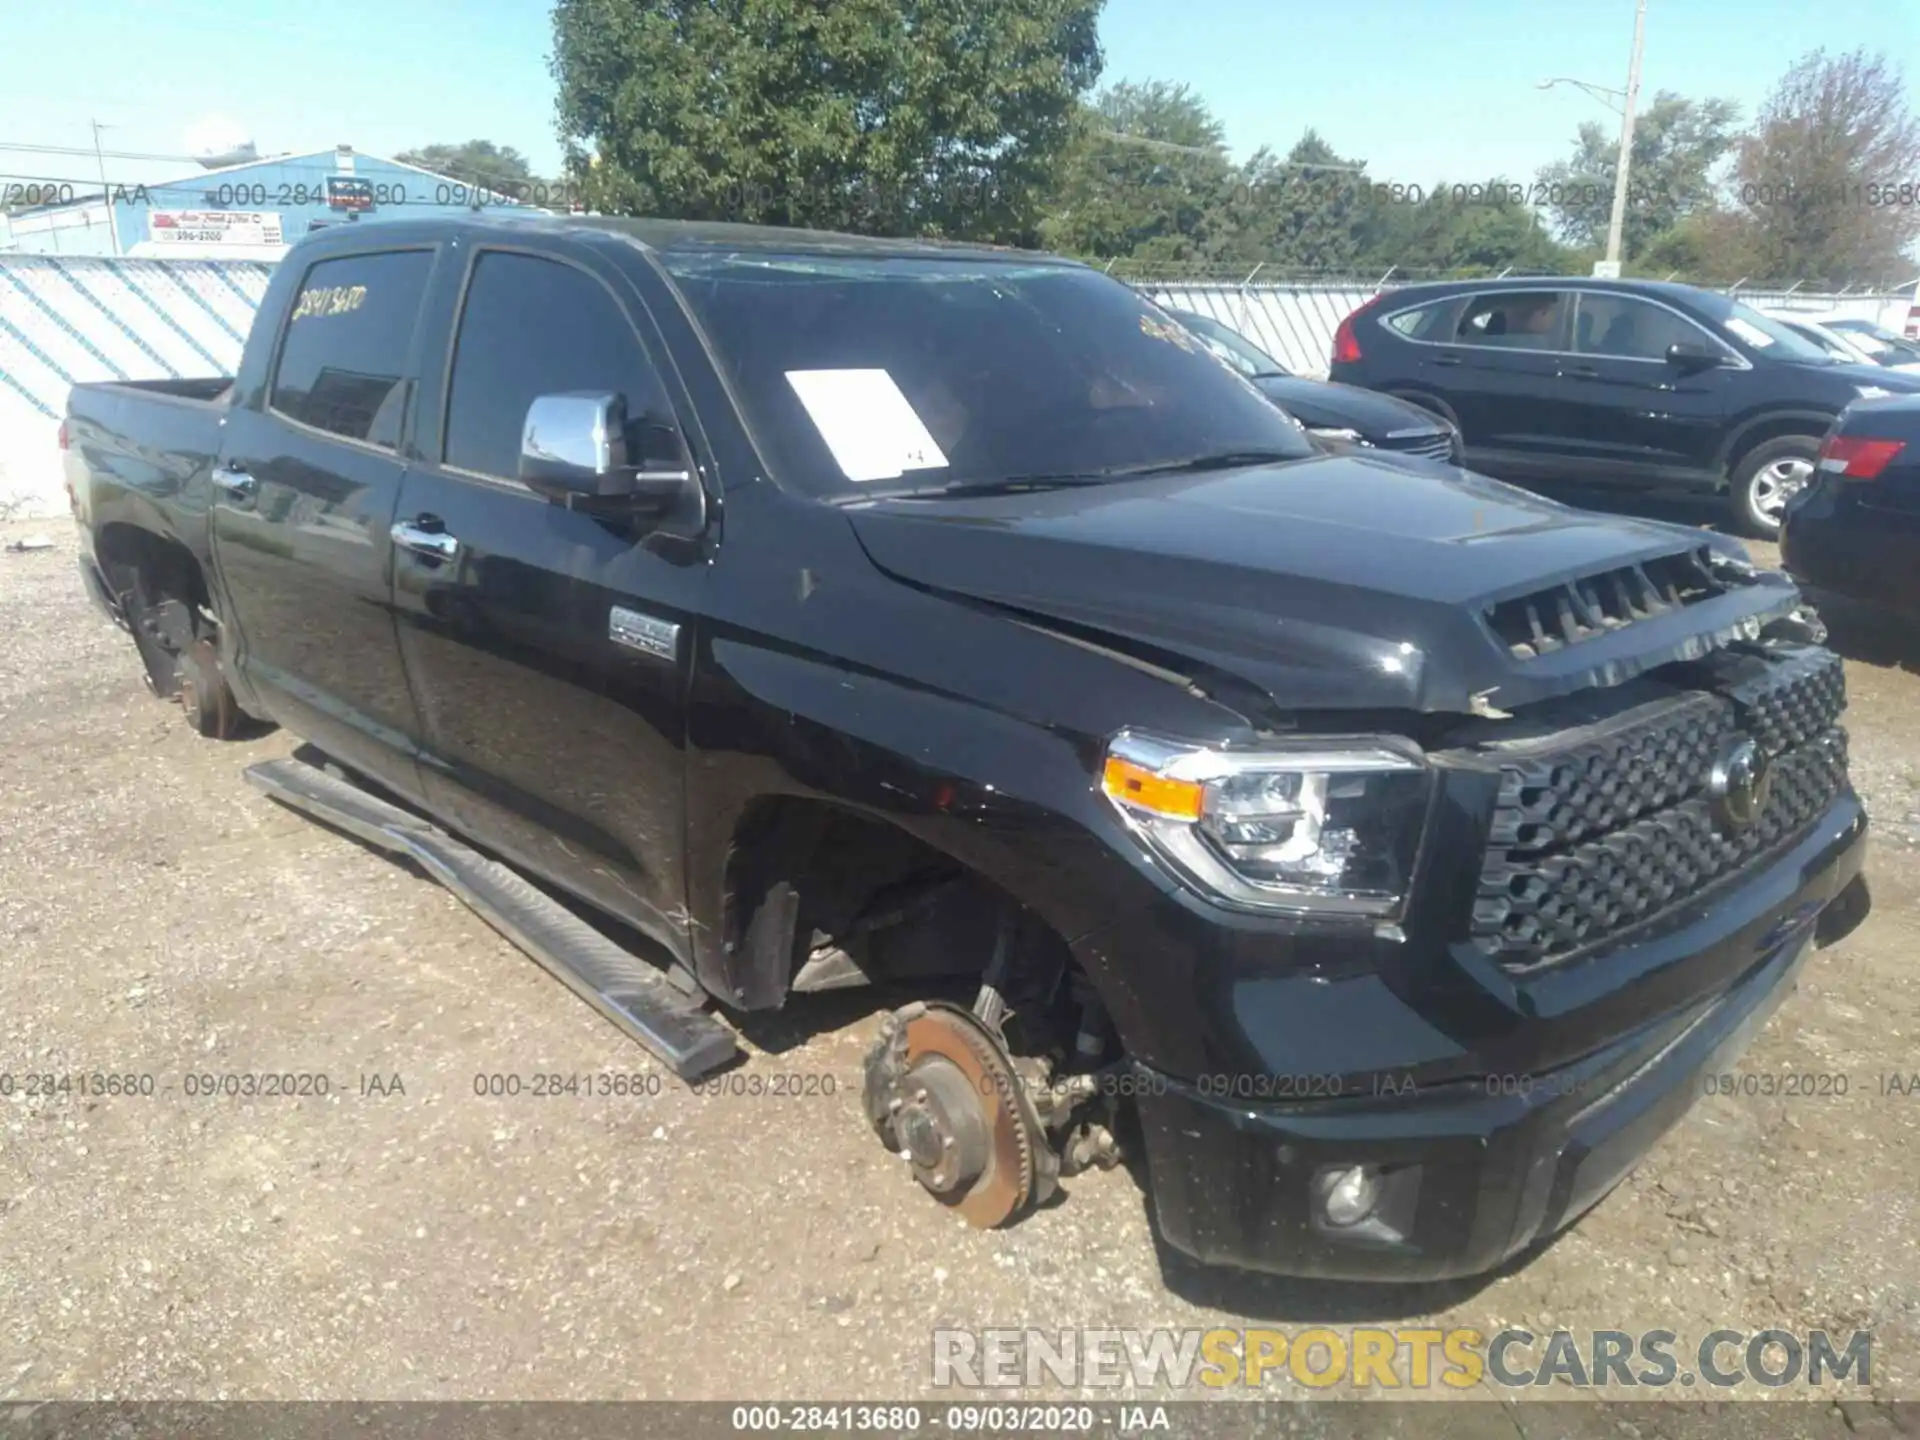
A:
<point x="1384" y="852"/>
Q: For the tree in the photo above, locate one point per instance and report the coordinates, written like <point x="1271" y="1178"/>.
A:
<point x="1677" y="143"/>
<point x="1820" y="178"/>
<point x="935" y="117"/>
<point x="1300" y="213"/>
<point x="1142" y="177"/>
<point x="477" y="162"/>
<point x="1481" y="228"/>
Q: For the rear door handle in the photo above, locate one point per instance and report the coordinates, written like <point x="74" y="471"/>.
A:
<point x="423" y="536"/>
<point x="236" y="482"/>
<point x="1580" y="372"/>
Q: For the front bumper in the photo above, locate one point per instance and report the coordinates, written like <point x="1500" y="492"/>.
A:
<point x="1501" y="1161"/>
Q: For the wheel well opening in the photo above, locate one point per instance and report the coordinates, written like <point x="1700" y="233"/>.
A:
<point x="168" y="568"/>
<point x="163" y="594"/>
<point x="817" y="891"/>
<point x="1767" y="430"/>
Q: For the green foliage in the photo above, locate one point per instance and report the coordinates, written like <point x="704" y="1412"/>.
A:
<point x="912" y="117"/>
<point x="477" y="162"/>
<point x="1141" y="177"/>
<point x="1677" y="143"/>
<point x="1825" y="183"/>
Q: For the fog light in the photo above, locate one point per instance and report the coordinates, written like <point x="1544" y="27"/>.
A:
<point x="1350" y="1196"/>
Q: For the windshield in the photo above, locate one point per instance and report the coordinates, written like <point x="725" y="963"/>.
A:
<point x="1230" y="345"/>
<point x="1878" y="341"/>
<point x="1771" y="337"/>
<point x="863" y="375"/>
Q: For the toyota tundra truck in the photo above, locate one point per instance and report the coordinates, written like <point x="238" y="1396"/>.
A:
<point x="1380" y="854"/>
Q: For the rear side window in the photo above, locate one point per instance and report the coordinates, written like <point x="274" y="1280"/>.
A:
<point x="534" y="327"/>
<point x="1517" y="320"/>
<point x="343" y="363"/>
<point x="1421" y="323"/>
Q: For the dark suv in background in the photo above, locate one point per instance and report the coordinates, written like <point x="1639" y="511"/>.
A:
<point x="1617" y="383"/>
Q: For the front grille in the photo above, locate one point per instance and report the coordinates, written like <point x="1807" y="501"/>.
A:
<point x="1565" y="614"/>
<point x="1593" y="837"/>
<point x="1428" y="444"/>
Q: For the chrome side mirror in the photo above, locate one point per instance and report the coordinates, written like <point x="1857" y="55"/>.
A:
<point x="574" y="447"/>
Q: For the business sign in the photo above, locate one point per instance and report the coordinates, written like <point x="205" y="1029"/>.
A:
<point x="215" y="227"/>
<point x="346" y="192"/>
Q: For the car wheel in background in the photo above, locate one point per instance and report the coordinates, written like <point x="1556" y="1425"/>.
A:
<point x="1767" y="477"/>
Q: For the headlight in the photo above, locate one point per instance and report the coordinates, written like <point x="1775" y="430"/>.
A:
<point x="1327" y="829"/>
<point x="1351" y="437"/>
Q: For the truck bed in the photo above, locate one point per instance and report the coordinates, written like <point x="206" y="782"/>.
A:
<point x="139" y="452"/>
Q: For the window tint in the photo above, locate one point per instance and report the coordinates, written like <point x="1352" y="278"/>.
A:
<point x="1631" y="329"/>
<point x="343" y="363"/>
<point x="1518" y="320"/>
<point x="535" y="327"/>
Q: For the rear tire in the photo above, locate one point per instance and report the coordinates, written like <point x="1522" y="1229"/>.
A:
<point x="1766" y="478"/>
<point x="205" y="695"/>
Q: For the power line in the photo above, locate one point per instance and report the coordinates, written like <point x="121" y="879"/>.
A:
<point x="88" y="150"/>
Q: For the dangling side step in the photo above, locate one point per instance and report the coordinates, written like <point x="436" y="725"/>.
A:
<point x="631" y="993"/>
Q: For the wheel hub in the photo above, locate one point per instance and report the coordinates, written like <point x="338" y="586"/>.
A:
<point x="941" y="1091"/>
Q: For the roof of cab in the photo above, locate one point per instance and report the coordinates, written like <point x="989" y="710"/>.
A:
<point x="683" y="236"/>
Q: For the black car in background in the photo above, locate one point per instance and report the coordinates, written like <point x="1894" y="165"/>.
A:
<point x="1336" y="415"/>
<point x="1618" y="383"/>
<point x="1854" y="532"/>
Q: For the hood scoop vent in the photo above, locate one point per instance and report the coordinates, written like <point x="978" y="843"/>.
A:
<point x="1544" y="621"/>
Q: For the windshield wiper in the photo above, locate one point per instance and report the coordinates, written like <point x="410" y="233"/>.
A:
<point x="1216" y="460"/>
<point x="1004" y="485"/>
<point x="1079" y="479"/>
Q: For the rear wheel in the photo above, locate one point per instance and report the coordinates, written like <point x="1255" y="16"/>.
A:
<point x="1767" y="477"/>
<point x="204" y="693"/>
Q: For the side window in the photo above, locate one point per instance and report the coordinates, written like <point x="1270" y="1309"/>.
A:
<point x="1516" y="320"/>
<point x="1416" y="324"/>
<point x="343" y="363"/>
<point x="1630" y="329"/>
<point x="535" y="327"/>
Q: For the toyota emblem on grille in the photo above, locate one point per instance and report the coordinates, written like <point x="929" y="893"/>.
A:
<point x="1740" y="784"/>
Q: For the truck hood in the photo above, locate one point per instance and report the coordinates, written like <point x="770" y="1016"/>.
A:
<point x="1341" y="582"/>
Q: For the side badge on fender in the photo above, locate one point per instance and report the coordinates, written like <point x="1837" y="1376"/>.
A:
<point x="646" y="633"/>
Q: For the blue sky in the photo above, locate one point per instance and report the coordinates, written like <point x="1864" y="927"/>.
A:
<point x="1421" y="89"/>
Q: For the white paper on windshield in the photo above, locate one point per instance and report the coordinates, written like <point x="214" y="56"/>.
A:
<point x="1749" y="332"/>
<point x="871" y="428"/>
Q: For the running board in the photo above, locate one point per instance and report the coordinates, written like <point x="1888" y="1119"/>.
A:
<point x="632" y="994"/>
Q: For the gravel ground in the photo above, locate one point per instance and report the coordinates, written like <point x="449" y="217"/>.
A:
<point x="407" y="1240"/>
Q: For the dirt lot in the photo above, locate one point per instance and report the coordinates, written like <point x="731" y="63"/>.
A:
<point x="161" y="918"/>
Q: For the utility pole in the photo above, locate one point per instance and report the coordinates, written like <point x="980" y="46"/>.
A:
<point x="106" y="198"/>
<point x="1620" y="173"/>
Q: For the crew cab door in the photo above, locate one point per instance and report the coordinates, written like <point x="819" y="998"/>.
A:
<point x="1633" y="415"/>
<point x="548" y="647"/>
<point x="303" y="497"/>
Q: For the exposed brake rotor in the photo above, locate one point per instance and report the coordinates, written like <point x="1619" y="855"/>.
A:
<point x="941" y="1090"/>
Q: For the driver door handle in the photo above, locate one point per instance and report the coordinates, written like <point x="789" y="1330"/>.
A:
<point x="236" y="482"/>
<point x="415" y="535"/>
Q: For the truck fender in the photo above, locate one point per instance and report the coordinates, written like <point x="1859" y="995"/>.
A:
<point x="1015" y="804"/>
